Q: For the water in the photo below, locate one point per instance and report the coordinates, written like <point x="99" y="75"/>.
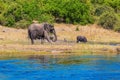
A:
<point x="87" y="67"/>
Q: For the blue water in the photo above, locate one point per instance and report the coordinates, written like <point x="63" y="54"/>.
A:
<point x="87" y="67"/>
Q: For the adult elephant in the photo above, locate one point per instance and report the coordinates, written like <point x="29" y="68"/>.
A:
<point x="81" y="39"/>
<point x="42" y="31"/>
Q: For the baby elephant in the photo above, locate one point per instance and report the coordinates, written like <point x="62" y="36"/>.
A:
<point x="81" y="39"/>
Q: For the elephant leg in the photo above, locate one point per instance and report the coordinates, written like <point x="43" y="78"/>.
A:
<point x="85" y="40"/>
<point x="47" y="37"/>
<point x="48" y="40"/>
<point x="31" y="37"/>
<point x="77" y="41"/>
<point x="42" y="40"/>
<point x="32" y="41"/>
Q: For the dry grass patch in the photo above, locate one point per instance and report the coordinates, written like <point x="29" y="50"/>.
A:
<point x="98" y="40"/>
<point x="92" y="32"/>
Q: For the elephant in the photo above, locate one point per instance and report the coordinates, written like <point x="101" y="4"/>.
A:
<point x="42" y="31"/>
<point x="81" y="39"/>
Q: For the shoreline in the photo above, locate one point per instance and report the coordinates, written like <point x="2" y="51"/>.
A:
<point x="11" y="50"/>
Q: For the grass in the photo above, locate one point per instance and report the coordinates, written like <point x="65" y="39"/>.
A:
<point x="93" y="33"/>
<point x="16" y="43"/>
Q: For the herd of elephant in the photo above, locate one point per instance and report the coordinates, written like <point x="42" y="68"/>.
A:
<point x="46" y="31"/>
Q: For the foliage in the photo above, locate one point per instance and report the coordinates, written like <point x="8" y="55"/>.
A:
<point x="102" y="9"/>
<point x="20" y="13"/>
<point x="117" y="25"/>
<point x="97" y="1"/>
<point x="66" y="11"/>
<point x="106" y="13"/>
<point x="46" y="18"/>
<point x="108" y="20"/>
<point x="14" y="11"/>
<point x="22" y="24"/>
<point x="115" y="4"/>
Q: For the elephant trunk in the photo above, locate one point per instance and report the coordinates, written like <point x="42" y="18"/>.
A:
<point x="54" y="39"/>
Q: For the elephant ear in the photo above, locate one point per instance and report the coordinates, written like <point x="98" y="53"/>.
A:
<point x="45" y="25"/>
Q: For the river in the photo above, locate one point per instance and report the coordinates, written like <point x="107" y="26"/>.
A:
<point x="61" y="67"/>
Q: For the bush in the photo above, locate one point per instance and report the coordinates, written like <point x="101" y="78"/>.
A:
<point x="102" y="9"/>
<point x="10" y="20"/>
<point x="22" y="24"/>
<point x="2" y="20"/>
<point x="107" y="20"/>
<point x="46" y="18"/>
<point x="79" y="12"/>
<point x="97" y="1"/>
<point x="117" y="26"/>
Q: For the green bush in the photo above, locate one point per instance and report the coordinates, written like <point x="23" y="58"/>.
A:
<point x="102" y="9"/>
<point x="97" y="1"/>
<point x="79" y="12"/>
<point x="108" y="20"/>
<point x="2" y="20"/>
<point x="14" y="11"/>
<point x="117" y="27"/>
<point x="46" y="18"/>
<point x="22" y="24"/>
<point x="10" y="20"/>
<point x="115" y="4"/>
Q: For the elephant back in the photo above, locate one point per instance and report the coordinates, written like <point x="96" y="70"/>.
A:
<point x="35" y="26"/>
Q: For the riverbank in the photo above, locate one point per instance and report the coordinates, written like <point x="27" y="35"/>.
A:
<point x="15" y="42"/>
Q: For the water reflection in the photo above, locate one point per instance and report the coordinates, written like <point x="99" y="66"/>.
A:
<point x="41" y="58"/>
<point x="58" y="59"/>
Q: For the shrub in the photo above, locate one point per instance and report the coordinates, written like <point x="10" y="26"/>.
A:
<point x="22" y="24"/>
<point x="115" y="4"/>
<point x="2" y="20"/>
<point x="97" y="1"/>
<point x="10" y="20"/>
<point x="107" y="20"/>
<point x="46" y="18"/>
<point x="117" y="26"/>
<point x="102" y="9"/>
<point x="79" y="12"/>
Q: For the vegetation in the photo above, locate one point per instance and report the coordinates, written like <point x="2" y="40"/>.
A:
<point x="108" y="20"/>
<point x="20" y="13"/>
